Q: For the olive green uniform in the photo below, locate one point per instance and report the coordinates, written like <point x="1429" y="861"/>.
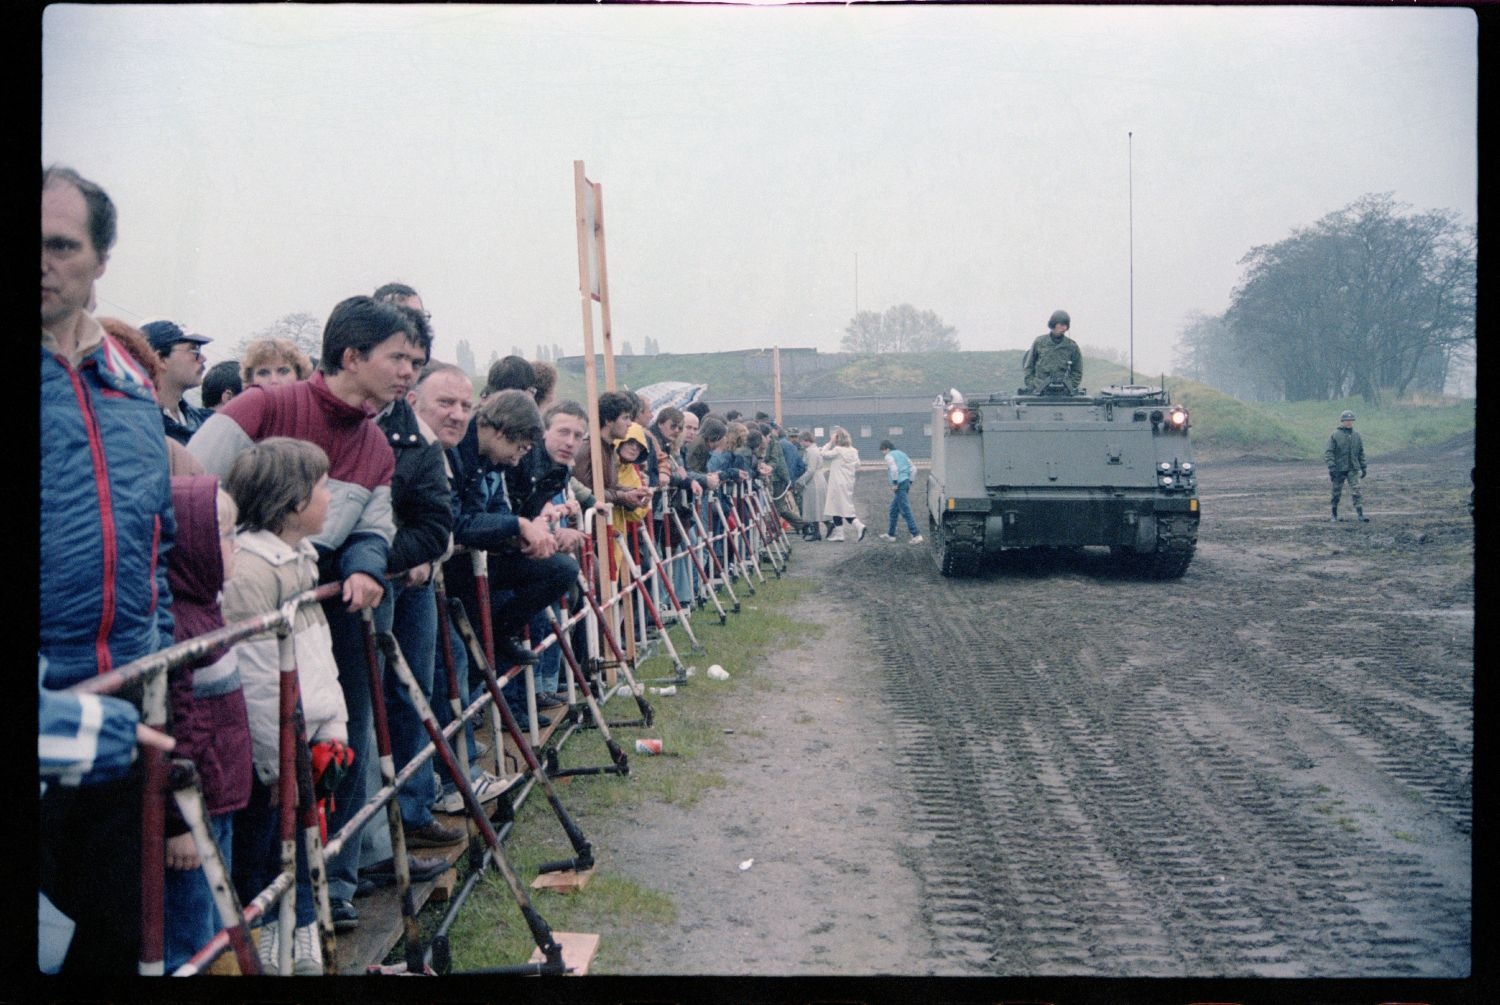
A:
<point x="1345" y="457"/>
<point x="1051" y="357"/>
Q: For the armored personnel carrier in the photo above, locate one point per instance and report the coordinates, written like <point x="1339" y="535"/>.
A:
<point x="1058" y="470"/>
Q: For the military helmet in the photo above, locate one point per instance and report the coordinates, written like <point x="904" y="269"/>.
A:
<point x="1059" y="318"/>
<point x="1347" y="416"/>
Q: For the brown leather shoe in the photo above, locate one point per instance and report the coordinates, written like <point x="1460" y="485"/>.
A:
<point x="432" y="835"/>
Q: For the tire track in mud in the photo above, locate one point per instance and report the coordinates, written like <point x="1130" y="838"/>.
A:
<point x="1120" y="778"/>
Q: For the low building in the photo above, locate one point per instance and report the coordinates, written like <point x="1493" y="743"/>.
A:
<point x="904" y="419"/>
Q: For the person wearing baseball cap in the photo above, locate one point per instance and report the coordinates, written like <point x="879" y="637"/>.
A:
<point x="181" y="368"/>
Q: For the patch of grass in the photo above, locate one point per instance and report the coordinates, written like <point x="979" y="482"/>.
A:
<point x="490" y="931"/>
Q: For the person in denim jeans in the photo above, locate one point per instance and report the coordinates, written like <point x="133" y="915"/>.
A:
<point x="900" y="468"/>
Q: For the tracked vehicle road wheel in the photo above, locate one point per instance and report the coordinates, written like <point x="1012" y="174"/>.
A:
<point x="1176" y="539"/>
<point x="958" y="547"/>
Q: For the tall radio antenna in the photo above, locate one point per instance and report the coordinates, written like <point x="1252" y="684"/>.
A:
<point x="1130" y="174"/>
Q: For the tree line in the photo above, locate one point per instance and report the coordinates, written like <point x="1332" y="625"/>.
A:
<point x="1370" y="300"/>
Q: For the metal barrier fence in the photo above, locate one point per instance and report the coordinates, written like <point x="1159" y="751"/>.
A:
<point x="661" y="571"/>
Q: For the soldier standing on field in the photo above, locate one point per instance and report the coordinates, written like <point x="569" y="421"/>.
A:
<point x="1345" y="457"/>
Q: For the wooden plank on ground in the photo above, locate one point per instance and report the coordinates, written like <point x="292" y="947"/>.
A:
<point x="380" y="927"/>
<point x="578" y="951"/>
<point x="563" y="881"/>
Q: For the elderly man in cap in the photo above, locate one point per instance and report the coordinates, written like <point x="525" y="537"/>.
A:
<point x="181" y="368"/>
<point x="1345" y="457"/>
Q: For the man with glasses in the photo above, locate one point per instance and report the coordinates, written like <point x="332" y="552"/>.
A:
<point x="181" y="369"/>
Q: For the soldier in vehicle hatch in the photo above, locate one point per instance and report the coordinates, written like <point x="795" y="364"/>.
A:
<point x="1345" y="457"/>
<point x="1054" y="356"/>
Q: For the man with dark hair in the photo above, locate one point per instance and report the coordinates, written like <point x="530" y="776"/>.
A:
<point x="616" y="413"/>
<point x="220" y="384"/>
<point x="399" y="294"/>
<point x="510" y="373"/>
<point x="421" y="503"/>
<point x="106" y="525"/>
<point x="366" y="362"/>
<point x="545" y="381"/>
<point x="182" y="368"/>
<point x="523" y="556"/>
<point x="698" y="408"/>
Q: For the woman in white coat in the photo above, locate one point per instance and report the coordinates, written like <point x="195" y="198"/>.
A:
<point x="814" y="482"/>
<point x="838" y="504"/>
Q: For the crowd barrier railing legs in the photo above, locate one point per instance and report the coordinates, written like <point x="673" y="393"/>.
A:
<point x="664" y="577"/>
<point x="583" y="852"/>
<point x="648" y="714"/>
<point x="189" y="798"/>
<point x="636" y="577"/>
<point x="709" y="544"/>
<point x="705" y="582"/>
<point x="411" y="929"/>
<point x="153" y="877"/>
<point x="541" y="934"/>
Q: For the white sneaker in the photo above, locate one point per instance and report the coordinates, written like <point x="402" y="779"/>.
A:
<point x="488" y="786"/>
<point x="916" y="539"/>
<point x="269" y="949"/>
<point x="860" y="528"/>
<point x="888" y="537"/>
<point x="307" y="952"/>
<point x="837" y="535"/>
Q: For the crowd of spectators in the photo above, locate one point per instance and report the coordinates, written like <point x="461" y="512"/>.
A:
<point x="375" y="469"/>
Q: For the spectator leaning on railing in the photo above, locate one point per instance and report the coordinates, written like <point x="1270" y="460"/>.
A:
<point x="106" y="526"/>
<point x="366" y="361"/>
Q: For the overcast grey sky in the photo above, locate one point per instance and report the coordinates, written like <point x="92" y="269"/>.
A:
<point x="278" y="158"/>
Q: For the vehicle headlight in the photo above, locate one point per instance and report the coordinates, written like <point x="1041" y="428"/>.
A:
<point x="957" y="416"/>
<point x="1187" y="467"/>
<point x="1167" y="481"/>
<point x="1164" y="466"/>
<point x="1178" y="417"/>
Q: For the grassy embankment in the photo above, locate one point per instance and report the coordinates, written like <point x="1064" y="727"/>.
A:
<point x="1223" y="427"/>
<point x="691" y="724"/>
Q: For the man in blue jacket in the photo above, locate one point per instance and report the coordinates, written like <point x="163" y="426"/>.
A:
<point x="106" y="526"/>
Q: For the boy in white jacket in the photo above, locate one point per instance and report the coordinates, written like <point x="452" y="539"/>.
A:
<point x="281" y="488"/>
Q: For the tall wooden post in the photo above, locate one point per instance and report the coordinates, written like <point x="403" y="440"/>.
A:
<point x="585" y="195"/>
<point x="609" y="335"/>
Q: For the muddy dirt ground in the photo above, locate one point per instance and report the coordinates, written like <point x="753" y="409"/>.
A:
<point x="1263" y="769"/>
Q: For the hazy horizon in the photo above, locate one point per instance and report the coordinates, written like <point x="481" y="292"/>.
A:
<point x="974" y="161"/>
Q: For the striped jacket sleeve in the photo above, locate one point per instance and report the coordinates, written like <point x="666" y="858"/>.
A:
<point x="83" y="739"/>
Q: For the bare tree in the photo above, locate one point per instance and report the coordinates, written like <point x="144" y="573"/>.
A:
<point x="1370" y="298"/>
<point x="303" y="330"/>
<point x="901" y="328"/>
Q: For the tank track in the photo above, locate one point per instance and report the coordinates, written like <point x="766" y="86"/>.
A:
<point x="1176" y="539"/>
<point x="958" y="547"/>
